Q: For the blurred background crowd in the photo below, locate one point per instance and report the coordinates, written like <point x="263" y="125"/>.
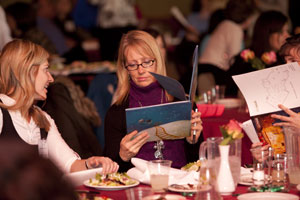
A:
<point x="70" y="28"/>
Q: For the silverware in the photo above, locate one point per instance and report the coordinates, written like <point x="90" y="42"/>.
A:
<point x="194" y="131"/>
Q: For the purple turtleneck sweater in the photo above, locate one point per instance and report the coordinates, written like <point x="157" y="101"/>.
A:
<point x="151" y="95"/>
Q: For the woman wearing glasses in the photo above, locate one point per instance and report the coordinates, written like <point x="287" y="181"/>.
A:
<point x="139" y="54"/>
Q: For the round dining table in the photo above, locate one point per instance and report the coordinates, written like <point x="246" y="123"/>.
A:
<point x="211" y="128"/>
<point x="121" y="194"/>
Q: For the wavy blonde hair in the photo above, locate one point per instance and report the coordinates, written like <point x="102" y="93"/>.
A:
<point x="19" y="65"/>
<point x="146" y="45"/>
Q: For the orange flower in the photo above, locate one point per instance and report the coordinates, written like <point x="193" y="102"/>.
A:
<point x="231" y="131"/>
<point x="247" y="54"/>
<point x="269" y="57"/>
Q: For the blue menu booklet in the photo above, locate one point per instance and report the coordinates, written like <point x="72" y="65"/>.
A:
<point x="167" y="121"/>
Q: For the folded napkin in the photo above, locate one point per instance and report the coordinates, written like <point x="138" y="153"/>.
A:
<point x="246" y="170"/>
<point x="140" y="172"/>
<point x="210" y="110"/>
<point x="77" y="178"/>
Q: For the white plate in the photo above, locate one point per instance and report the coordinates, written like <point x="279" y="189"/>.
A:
<point x="268" y="195"/>
<point x="121" y="187"/>
<point x="230" y="102"/>
<point x="166" y="197"/>
<point x="246" y="179"/>
<point x="187" y="188"/>
<point x="77" y="178"/>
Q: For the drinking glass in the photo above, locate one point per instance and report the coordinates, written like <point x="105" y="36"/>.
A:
<point x="292" y="144"/>
<point x="220" y="91"/>
<point x="138" y="193"/>
<point x="279" y="173"/>
<point x="159" y="174"/>
<point x="206" y="189"/>
<point x="261" y="166"/>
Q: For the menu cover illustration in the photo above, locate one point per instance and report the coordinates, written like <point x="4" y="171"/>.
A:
<point x="162" y="122"/>
<point x="167" y="121"/>
<point x="263" y="90"/>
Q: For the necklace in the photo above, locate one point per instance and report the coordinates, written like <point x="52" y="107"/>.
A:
<point x="161" y="99"/>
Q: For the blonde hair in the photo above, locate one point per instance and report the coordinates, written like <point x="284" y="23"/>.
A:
<point x="146" y="45"/>
<point x="19" y="64"/>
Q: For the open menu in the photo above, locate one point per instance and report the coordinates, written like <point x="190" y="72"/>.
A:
<point x="167" y="121"/>
<point x="263" y="90"/>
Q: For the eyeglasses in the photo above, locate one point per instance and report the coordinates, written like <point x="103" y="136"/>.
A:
<point x="145" y="64"/>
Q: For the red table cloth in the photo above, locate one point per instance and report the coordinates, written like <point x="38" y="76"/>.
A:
<point x="121" y="194"/>
<point x="211" y="128"/>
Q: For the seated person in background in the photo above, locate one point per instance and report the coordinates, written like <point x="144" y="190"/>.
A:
<point x="216" y="18"/>
<point x="68" y="49"/>
<point x="139" y="54"/>
<point x="74" y="115"/>
<point x="227" y="39"/>
<point x="26" y="175"/>
<point x="160" y="41"/>
<point x="22" y="21"/>
<point x="269" y="34"/>
<point x="78" y="38"/>
<point x="114" y="18"/>
<point x="24" y="78"/>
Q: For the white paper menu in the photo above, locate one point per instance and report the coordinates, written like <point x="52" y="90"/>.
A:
<point x="264" y="89"/>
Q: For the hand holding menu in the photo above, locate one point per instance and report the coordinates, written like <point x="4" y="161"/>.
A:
<point x="167" y="121"/>
<point x="263" y="91"/>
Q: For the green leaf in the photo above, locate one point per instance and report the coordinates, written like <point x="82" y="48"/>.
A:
<point x="226" y="141"/>
<point x="224" y="132"/>
<point x="257" y="63"/>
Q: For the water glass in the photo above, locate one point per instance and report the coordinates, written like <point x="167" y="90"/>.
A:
<point x="279" y="171"/>
<point x="138" y="193"/>
<point x="261" y="166"/>
<point x="159" y="174"/>
<point x="207" y="180"/>
<point x="292" y="144"/>
<point x="220" y="91"/>
<point x="211" y="194"/>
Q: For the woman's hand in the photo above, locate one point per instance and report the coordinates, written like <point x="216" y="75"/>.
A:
<point x="129" y="147"/>
<point x="260" y="148"/>
<point x="108" y="166"/>
<point x="196" y="125"/>
<point x="292" y="121"/>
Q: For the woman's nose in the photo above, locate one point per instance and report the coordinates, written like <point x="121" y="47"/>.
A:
<point x="50" y="78"/>
<point x="141" y="69"/>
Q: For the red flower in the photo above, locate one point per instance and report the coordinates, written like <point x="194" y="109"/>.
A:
<point x="231" y="131"/>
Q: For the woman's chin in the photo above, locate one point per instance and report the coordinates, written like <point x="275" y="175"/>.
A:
<point x="143" y="83"/>
<point x="39" y="97"/>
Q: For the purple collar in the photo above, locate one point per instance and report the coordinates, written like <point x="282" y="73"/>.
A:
<point x="146" y="96"/>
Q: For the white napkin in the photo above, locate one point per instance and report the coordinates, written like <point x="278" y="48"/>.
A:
<point x="246" y="170"/>
<point x="140" y="172"/>
<point x="77" y="178"/>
